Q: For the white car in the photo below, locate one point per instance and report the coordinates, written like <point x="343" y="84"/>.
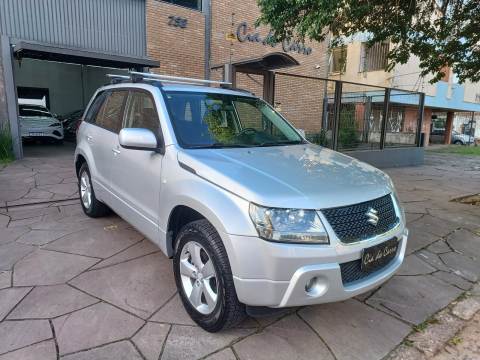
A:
<point x="38" y="122"/>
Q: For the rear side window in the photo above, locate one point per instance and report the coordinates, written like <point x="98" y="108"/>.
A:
<point x="93" y="110"/>
<point x="110" y="115"/>
<point x="141" y="112"/>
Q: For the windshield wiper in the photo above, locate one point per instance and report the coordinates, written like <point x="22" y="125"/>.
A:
<point x="271" y="143"/>
<point x="218" y="145"/>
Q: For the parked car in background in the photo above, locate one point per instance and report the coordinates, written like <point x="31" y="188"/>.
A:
<point x="255" y="217"/>
<point x="462" y="139"/>
<point x="37" y="122"/>
<point x="70" y="123"/>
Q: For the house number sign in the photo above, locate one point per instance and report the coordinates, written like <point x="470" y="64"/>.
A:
<point x="177" y="21"/>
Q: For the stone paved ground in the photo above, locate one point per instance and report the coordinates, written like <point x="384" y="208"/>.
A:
<point x="79" y="288"/>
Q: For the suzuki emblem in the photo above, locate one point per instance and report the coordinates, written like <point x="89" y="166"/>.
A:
<point x="372" y="215"/>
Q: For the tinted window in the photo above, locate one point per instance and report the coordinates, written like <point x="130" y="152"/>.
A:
<point x="34" y="112"/>
<point x="141" y="112"/>
<point x="93" y="110"/>
<point x="220" y="120"/>
<point x="110" y="115"/>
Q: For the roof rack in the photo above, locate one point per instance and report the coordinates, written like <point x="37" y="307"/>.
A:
<point x="140" y="76"/>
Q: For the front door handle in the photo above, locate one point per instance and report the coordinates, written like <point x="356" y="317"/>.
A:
<point x="89" y="138"/>
<point x="115" y="151"/>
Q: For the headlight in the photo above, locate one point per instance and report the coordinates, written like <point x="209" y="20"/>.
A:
<point x="55" y="124"/>
<point x="288" y="225"/>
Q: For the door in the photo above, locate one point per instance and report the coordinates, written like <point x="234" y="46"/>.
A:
<point x="102" y="135"/>
<point x="135" y="175"/>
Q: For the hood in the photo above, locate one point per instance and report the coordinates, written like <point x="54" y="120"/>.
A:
<point x="298" y="176"/>
<point x="37" y="121"/>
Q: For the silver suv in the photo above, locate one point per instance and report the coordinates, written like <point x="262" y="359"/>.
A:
<point x="255" y="217"/>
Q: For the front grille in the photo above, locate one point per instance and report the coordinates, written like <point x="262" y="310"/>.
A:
<point x="352" y="270"/>
<point x="350" y="223"/>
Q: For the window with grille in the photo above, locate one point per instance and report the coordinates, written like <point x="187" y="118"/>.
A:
<point x="375" y="57"/>
<point x="339" y="60"/>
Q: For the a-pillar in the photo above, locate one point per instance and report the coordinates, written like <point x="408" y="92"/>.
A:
<point x="449" y="127"/>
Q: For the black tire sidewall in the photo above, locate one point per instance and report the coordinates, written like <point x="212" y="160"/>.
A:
<point x="212" y="321"/>
<point x="84" y="168"/>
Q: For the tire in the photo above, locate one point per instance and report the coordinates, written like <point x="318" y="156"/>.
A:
<point x="227" y="311"/>
<point x="458" y="142"/>
<point x="93" y="208"/>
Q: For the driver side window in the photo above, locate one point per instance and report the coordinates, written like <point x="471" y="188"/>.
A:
<point x="141" y="112"/>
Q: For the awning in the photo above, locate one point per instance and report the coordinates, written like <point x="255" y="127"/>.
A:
<point x="272" y="61"/>
<point x="34" y="50"/>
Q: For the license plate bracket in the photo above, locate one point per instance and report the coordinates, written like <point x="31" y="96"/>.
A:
<point x="379" y="255"/>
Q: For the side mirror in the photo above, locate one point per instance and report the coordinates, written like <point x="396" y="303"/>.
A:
<point x="138" y="139"/>
<point x="301" y="132"/>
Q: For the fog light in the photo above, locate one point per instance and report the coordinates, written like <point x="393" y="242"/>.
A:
<point x="315" y="287"/>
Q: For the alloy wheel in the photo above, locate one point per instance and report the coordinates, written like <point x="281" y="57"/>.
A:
<point x="199" y="278"/>
<point x="85" y="190"/>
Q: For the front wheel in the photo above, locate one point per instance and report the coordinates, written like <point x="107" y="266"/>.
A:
<point x="204" y="278"/>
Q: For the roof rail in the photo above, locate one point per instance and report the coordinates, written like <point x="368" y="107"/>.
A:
<point x="135" y="76"/>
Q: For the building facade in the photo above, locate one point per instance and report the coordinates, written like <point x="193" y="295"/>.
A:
<point x="448" y="105"/>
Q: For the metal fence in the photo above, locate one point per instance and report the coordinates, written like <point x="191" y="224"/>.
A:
<point x="349" y="116"/>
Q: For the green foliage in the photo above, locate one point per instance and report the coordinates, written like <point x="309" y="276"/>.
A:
<point x="6" y="144"/>
<point x="347" y="136"/>
<point x="457" y="150"/>
<point x="320" y="138"/>
<point x="439" y="33"/>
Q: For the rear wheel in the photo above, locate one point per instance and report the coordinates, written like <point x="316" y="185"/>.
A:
<point x="458" y="142"/>
<point x="90" y="205"/>
<point x="204" y="278"/>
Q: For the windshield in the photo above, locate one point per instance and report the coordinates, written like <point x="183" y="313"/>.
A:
<point x="206" y="120"/>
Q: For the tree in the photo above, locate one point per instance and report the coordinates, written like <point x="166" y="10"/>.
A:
<point x="439" y="32"/>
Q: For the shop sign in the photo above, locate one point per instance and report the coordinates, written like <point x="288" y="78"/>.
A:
<point x="245" y="34"/>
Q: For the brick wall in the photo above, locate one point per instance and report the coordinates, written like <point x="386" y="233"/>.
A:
<point x="180" y="51"/>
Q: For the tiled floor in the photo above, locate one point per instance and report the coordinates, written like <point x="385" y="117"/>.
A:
<point x="82" y="288"/>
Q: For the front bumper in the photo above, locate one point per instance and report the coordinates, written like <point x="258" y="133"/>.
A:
<point x="275" y="274"/>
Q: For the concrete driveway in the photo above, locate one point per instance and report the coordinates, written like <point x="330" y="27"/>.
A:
<point x="78" y="288"/>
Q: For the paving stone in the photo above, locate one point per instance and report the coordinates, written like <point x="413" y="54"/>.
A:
<point x="123" y="350"/>
<point x="432" y="259"/>
<point x="139" y="286"/>
<point x="439" y="247"/>
<point x="5" y="279"/>
<point x="467" y="308"/>
<point x="453" y="279"/>
<point x="49" y="268"/>
<point x="47" y="179"/>
<point x="414" y="298"/>
<point x="18" y="334"/>
<point x="354" y="328"/>
<point x="430" y="340"/>
<point x="290" y="337"/>
<point x="31" y="211"/>
<point x="96" y="242"/>
<point x="194" y="342"/>
<point x="144" y="247"/>
<point x="435" y="225"/>
<point x="4" y="219"/>
<point x="8" y="235"/>
<point x="41" y="237"/>
<point x="404" y="352"/>
<point x="60" y="189"/>
<point x="465" y="242"/>
<point x="173" y="312"/>
<point x="13" y="252"/>
<point x="462" y="266"/>
<point x="41" y="351"/>
<point x="413" y="265"/>
<point x="149" y="340"/>
<point x="418" y="239"/>
<point x="225" y="354"/>
<point x="47" y="302"/>
<point x="93" y="326"/>
<point x="25" y="222"/>
<point x="9" y="298"/>
<point x="468" y="348"/>
<point x="412" y="217"/>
